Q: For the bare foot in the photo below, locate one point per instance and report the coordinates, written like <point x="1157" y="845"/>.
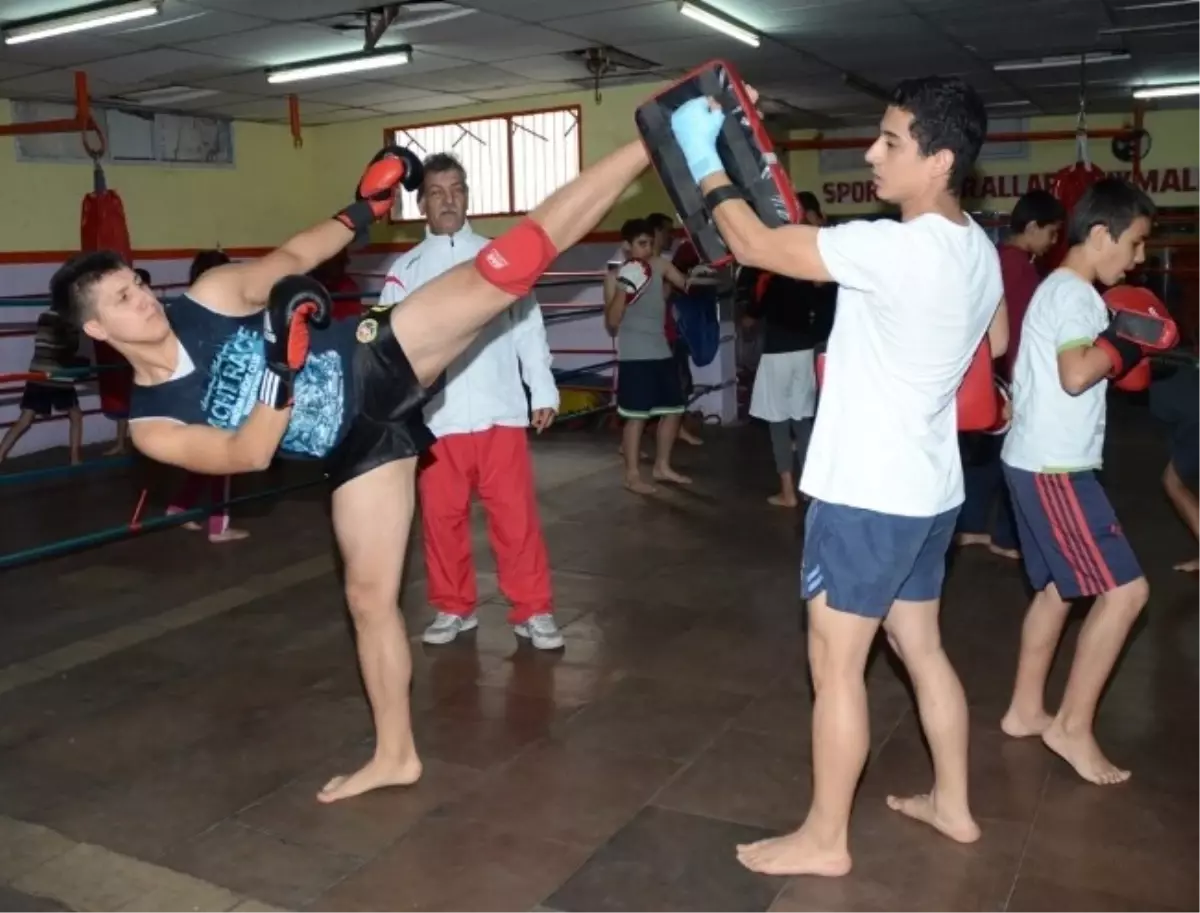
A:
<point x="781" y="500"/>
<point x="638" y="487"/>
<point x="377" y="774"/>
<point x="192" y="526"/>
<point x="1010" y="553"/>
<point x="794" y="854"/>
<point x="957" y="825"/>
<point x="1189" y="567"/>
<point x="688" y="438"/>
<point x="1081" y="752"/>
<point x="230" y="535"/>
<point x="1021" y="726"/>
<point x="670" y="475"/>
<point x="114" y="450"/>
<point x="972" y="539"/>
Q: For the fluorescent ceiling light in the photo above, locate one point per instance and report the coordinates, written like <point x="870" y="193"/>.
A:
<point x="333" y="66"/>
<point x="167" y="95"/>
<point x="91" y="17"/>
<point x="718" y="23"/>
<point x="1066" y="60"/>
<point x="1167" y="91"/>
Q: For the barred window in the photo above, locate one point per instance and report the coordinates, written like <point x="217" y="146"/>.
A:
<point x="513" y="161"/>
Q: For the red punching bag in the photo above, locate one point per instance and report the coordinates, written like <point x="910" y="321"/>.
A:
<point x="102" y="226"/>
<point x="1068" y="186"/>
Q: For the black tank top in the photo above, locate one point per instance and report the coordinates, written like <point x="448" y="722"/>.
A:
<point x="222" y="388"/>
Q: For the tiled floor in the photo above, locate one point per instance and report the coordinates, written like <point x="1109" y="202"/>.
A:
<point x="168" y="709"/>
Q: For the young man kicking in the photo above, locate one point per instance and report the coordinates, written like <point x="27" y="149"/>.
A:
<point x="1071" y="542"/>
<point x="230" y="374"/>
<point x="916" y="298"/>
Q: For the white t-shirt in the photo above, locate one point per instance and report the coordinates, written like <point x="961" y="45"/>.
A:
<point x="915" y="300"/>
<point x="1053" y="431"/>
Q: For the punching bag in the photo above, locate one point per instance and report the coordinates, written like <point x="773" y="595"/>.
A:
<point x="1068" y="186"/>
<point x="102" y="227"/>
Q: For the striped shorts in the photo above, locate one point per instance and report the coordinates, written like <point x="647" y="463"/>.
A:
<point x="1069" y="533"/>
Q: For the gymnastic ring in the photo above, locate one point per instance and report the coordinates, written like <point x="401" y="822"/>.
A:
<point x="94" y="153"/>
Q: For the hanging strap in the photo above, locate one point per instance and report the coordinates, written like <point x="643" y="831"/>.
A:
<point x="1081" y="137"/>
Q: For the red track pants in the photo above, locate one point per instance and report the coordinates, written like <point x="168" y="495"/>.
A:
<point x="496" y="463"/>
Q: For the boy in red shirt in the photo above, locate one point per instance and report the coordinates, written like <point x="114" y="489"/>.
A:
<point x="986" y="517"/>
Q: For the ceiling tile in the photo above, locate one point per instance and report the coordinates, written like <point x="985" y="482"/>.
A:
<point x="363" y="93"/>
<point x="528" y="89"/>
<point x="210" y="102"/>
<point x="655" y="22"/>
<point x="535" y="10"/>
<point x="285" y="10"/>
<point x="544" y="68"/>
<point x="280" y="44"/>
<point x="158" y="63"/>
<point x="425" y="103"/>
<point x="516" y="41"/>
<point x="9" y="70"/>
<point x="181" y="23"/>
<point x="54" y="84"/>
<point x="463" y="80"/>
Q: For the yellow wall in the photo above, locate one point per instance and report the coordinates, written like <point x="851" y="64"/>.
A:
<point x="256" y="203"/>
<point x="1174" y="135"/>
<point x="276" y="189"/>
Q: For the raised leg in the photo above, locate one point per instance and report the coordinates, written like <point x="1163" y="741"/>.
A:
<point x="440" y="319"/>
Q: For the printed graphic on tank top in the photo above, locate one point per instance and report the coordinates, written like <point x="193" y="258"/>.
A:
<point x="221" y="366"/>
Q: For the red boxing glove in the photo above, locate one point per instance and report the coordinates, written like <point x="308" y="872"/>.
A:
<point x="295" y="304"/>
<point x="1136" y="379"/>
<point x="393" y="167"/>
<point x="1140" y="324"/>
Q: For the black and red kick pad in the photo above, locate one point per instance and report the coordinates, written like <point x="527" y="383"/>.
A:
<point x="743" y="144"/>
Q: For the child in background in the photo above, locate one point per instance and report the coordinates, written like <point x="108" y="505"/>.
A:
<point x="55" y="346"/>
<point x="1071" y="542"/>
<point x="648" y="383"/>
<point x="1175" y="401"/>
<point x="200" y="489"/>
<point x="986" y="517"/>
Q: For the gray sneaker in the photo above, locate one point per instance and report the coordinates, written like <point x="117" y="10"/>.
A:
<point x="446" y="627"/>
<point x="541" y="631"/>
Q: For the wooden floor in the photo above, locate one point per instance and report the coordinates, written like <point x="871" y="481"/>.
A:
<point x="168" y="709"/>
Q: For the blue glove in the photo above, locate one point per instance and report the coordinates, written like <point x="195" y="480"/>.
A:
<point x="696" y="127"/>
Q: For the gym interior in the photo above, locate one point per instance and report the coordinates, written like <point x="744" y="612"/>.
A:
<point x="169" y="706"/>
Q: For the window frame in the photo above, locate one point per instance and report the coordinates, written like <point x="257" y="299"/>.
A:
<point x="389" y="138"/>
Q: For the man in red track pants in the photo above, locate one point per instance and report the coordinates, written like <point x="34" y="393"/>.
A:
<point x="481" y="419"/>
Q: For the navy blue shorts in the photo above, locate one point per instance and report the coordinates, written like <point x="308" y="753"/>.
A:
<point x="864" y="561"/>
<point x="648" y="389"/>
<point x="1069" y="533"/>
